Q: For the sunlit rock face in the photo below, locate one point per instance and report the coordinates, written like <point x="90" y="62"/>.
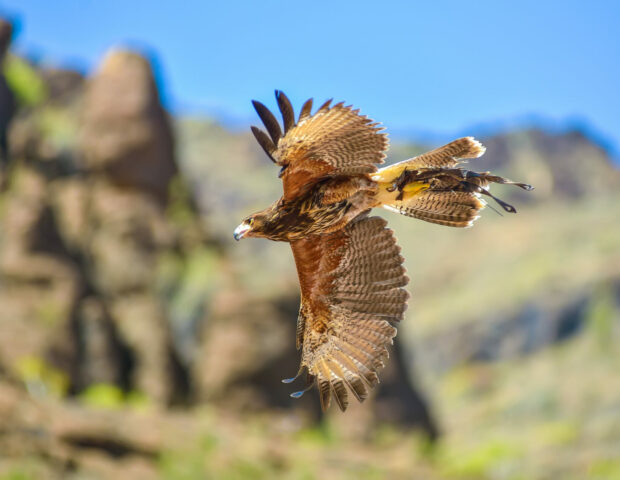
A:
<point x="125" y="131"/>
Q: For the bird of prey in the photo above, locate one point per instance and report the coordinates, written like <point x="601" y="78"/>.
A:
<point x="350" y="271"/>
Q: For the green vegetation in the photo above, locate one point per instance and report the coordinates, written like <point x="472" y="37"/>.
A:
<point x="551" y="415"/>
<point x="601" y="316"/>
<point x="58" y="126"/>
<point x="41" y="378"/>
<point x="24" y="81"/>
<point x="50" y="312"/>
<point x="18" y="473"/>
<point x="104" y="395"/>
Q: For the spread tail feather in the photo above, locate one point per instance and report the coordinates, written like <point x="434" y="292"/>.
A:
<point x="453" y="209"/>
<point x="432" y="186"/>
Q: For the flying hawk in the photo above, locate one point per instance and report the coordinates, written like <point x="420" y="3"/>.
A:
<point x="350" y="271"/>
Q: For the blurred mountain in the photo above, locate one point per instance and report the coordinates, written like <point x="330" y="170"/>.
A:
<point x="567" y="165"/>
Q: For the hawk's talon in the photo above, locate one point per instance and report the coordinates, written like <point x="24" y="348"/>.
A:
<point x="292" y="379"/>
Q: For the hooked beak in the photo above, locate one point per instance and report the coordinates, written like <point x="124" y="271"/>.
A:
<point x="241" y="230"/>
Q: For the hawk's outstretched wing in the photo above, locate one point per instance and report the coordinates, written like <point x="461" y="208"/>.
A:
<point x="351" y="291"/>
<point x="333" y="141"/>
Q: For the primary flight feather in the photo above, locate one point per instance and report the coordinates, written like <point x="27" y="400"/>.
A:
<point x="350" y="269"/>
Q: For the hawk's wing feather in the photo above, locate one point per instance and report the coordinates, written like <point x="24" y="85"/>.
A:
<point x="306" y="110"/>
<point x="447" y="156"/>
<point x="270" y="122"/>
<point x="288" y="114"/>
<point x="351" y="289"/>
<point x="264" y="141"/>
<point x="335" y="140"/>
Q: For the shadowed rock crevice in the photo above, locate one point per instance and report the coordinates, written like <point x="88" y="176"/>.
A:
<point x="109" y="446"/>
<point x="401" y="402"/>
<point x="7" y="98"/>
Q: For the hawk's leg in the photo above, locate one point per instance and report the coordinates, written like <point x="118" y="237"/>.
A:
<point x="486" y="176"/>
<point x="309" y="384"/>
<point x="400" y="181"/>
<point x="292" y="379"/>
<point x="407" y="177"/>
<point x="471" y="187"/>
<point x="476" y="182"/>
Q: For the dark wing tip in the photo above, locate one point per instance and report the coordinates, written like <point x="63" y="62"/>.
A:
<point x="258" y="106"/>
<point x="264" y="141"/>
<point x="325" y="106"/>
<point x="271" y="124"/>
<point x="306" y="109"/>
<point x="286" y="108"/>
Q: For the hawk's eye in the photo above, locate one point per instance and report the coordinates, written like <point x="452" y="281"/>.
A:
<point x="251" y="222"/>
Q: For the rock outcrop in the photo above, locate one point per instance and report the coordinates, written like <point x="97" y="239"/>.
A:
<point x="85" y="223"/>
<point x="125" y="131"/>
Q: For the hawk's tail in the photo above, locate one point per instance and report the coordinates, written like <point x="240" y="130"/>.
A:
<point x="453" y="209"/>
<point x="433" y="187"/>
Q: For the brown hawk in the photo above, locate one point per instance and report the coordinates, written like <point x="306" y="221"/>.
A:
<point x="350" y="271"/>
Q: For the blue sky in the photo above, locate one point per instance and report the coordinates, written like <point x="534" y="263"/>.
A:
<point x="440" y="67"/>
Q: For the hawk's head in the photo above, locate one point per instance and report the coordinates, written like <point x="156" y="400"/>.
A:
<point x="252" y="226"/>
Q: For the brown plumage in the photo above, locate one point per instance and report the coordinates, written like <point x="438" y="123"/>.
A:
<point x="350" y="270"/>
